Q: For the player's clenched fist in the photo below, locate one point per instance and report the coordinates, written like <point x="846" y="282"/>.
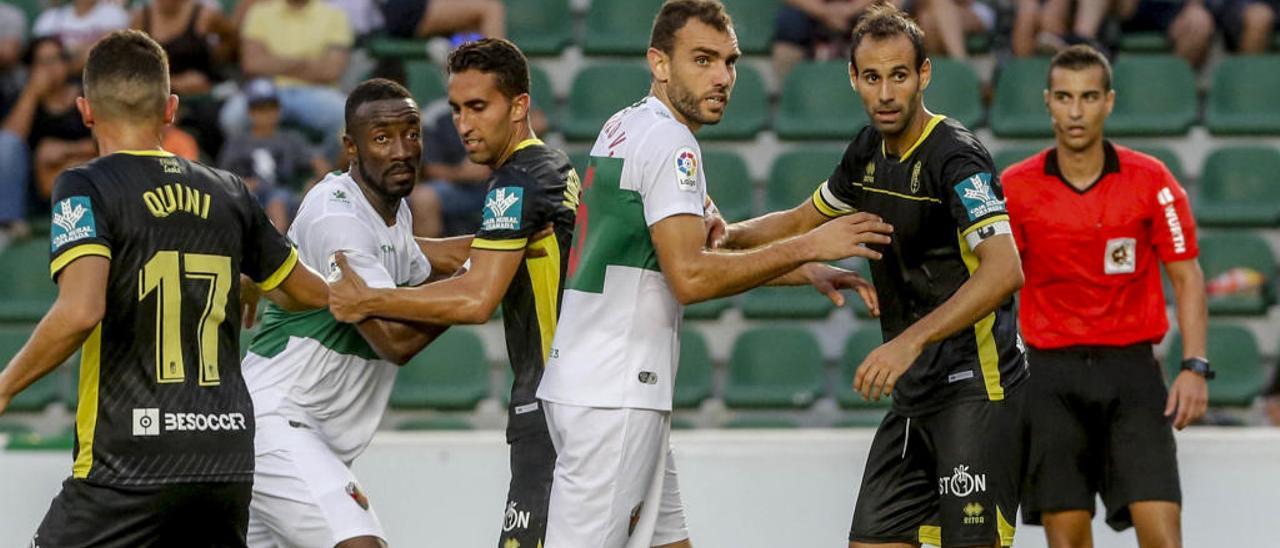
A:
<point x="347" y="291"/>
<point x="847" y="236"/>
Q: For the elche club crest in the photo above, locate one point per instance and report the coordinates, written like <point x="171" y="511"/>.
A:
<point x="961" y="483"/>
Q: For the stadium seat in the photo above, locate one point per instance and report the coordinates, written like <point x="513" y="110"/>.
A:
<point x="1220" y="252"/>
<point x="435" y="423"/>
<point x="13" y="428"/>
<point x="31" y="9"/>
<point x="753" y="22"/>
<point x="599" y="91"/>
<point x="620" y="28"/>
<point x="794" y="303"/>
<point x="62" y="441"/>
<point x="818" y="103"/>
<point x="708" y="310"/>
<point x="27" y="292"/>
<point x="955" y="91"/>
<point x="389" y="47"/>
<point x="540" y="27"/>
<point x="1018" y="107"/>
<point x="693" y="379"/>
<point x="1155" y="95"/>
<point x="451" y="373"/>
<point x="542" y="94"/>
<point x="729" y="183"/>
<point x="425" y="81"/>
<point x="856" y="348"/>
<point x="774" y="367"/>
<point x="1012" y="155"/>
<point x="748" y="110"/>
<point x="1242" y="99"/>
<point x="44" y="391"/>
<point x="1170" y="159"/>
<point x="750" y="422"/>
<point x="1145" y="42"/>
<point x="246" y="337"/>
<point x="796" y="174"/>
<point x="1240" y="186"/>
<point x="579" y="160"/>
<point x="1233" y="351"/>
<point x="869" y="418"/>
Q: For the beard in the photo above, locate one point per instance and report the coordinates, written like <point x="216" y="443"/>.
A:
<point x="689" y="105"/>
<point x="380" y="186"/>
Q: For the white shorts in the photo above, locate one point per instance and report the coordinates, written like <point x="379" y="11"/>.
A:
<point x="615" y="481"/>
<point x="304" y="496"/>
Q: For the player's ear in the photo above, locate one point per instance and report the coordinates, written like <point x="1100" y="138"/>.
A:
<point x="86" y="112"/>
<point x="171" y="110"/>
<point x="853" y="77"/>
<point x="659" y="65"/>
<point x="1111" y="100"/>
<point x="349" y="145"/>
<point x="520" y="107"/>
<point x="926" y="74"/>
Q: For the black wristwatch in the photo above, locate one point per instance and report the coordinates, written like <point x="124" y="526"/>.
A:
<point x="1199" y="365"/>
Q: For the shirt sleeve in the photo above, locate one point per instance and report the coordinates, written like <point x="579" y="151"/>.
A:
<point x="838" y="195"/>
<point x="1012" y="205"/>
<point x="269" y="256"/>
<point x="256" y="27"/>
<point x="514" y="209"/>
<point x="974" y="197"/>
<point x="80" y="225"/>
<point x="1173" y="226"/>
<point x="46" y="23"/>
<point x="333" y="233"/>
<point x="672" y="181"/>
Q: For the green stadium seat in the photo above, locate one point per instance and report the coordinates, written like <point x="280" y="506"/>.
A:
<point x="598" y="92"/>
<point x="1018" y="110"/>
<point x="979" y="43"/>
<point x="620" y="28"/>
<point x="729" y="184"/>
<point x="954" y="90"/>
<point x="1145" y="42"/>
<point x="13" y="428"/>
<point x="1008" y="156"/>
<point x="1233" y="351"/>
<point x="693" y="380"/>
<point x="1155" y="95"/>
<point x="388" y="47"/>
<point x="1220" y="252"/>
<point x="1240" y="186"/>
<point x="27" y="292"/>
<point x="1170" y="159"/>
<point x="540" y="27"/>
<point x="579" y="160"/>
<point x="683" y="423"/>
<point x="41" y="393"/>
<point x="246" y="337"/>
<point x="451" y="373"/>
<point x="774" y="367"/>
<point x="708" y="310"/>
<point x="753" y="22"/>
<point x="435" y="424"/>
<point x="796" y="174"/>
<point x="818" y="103"/>
<point x="856" y="348"/>
<point x="1242" y="100"/>
<point x="544" y="98"/>
<point x="425" y="81"/>
<point x="869" y="418"/>
<point x="795" y="303"/>
<point x="750" y="422"/>
<point x="748" y="110"/>
<point x="62" y="441"/>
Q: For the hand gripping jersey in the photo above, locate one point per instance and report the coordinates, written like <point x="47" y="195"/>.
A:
<point x="618" y="340"/>
<point x="943" y="199"/>
<point x="162" y="399"/>
<point x="307" y="367"/>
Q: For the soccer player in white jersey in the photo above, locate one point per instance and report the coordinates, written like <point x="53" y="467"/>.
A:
<point x="320" y="387"/>
<point x="639" y="255"/>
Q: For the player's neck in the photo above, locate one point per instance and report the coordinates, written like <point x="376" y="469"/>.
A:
<point x="113" y="137"/>
<point x="384" y="205"/>
<point x="1081" y="167"/>
<point x="660" y="92"/>
<point x="898" y="144"/>
<point x="522" y="133"/>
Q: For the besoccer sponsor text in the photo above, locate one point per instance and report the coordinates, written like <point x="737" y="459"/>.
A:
<point x="146" y="422"/>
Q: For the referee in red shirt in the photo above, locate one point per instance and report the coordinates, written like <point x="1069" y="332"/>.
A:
<point x="1093" y="221"/>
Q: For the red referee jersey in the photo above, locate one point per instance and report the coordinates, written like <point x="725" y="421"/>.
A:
<point x="1090" y="257"/>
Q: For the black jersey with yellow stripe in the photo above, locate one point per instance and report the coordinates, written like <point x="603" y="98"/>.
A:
<point x="161" y="397"/>
<point x="943" y="198"/>
<point x="537" y="187"/>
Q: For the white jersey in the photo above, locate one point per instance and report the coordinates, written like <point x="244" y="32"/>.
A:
<point x="307" y="367"/>
<point x="617" y="343"/>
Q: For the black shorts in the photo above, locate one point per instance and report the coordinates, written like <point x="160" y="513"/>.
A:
<point x="1096" y="426"/>
<point x="533" y="461"/>
<point x="84" y="515"/>
<point x="402" y="17"/>
<point x="947" y="478"/>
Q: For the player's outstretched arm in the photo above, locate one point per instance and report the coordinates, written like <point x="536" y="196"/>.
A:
<point x="829" y="280"/>
<point x="79" y="308"/>
<point x="998" y="275"/>
<point x="302" y="289"/>
<point x="696" y="273"/>
<point x="1189" y="393"/>
<point x="398" y="342"/>
<point x="446" y="255"/>
<point x="774" y="226"/>
<point x="467" y="299"/>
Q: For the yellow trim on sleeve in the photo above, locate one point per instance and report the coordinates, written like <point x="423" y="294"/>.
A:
<point x="156" y="153"/>
<point x="87" y="408"/>
<point x="76" y="252"/>
<point x="928" y="128"/>
<point x="544" y="279"/>
<point x="929" y="534"/>
<point x="273" y="281"/>
<point x="988" y="355"/>
<point x="983" y="223"/>
<point x="499" y="245"/>
<point x="822" y="205"/>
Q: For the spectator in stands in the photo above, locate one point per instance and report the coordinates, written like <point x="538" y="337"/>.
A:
<point x="1046" y="26"/>
<point x="268" y="158"/>
<point x="1271" y="398"/>
<point x="304" y="45"/>
<point x="1246" y="24"/>
<point x="1188" y="25"/>
<point x="197" y="39"/>
<point x="423" y="18"/>
<point x="946" y="23"/>
<point x="449" y="202"/>
<point x="43" y="133"/>
<point x="13" y="36"/>
<point x="79" y="23"/>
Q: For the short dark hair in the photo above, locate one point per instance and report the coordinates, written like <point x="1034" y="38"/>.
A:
<point x="373" y="89"/>
<point x="127" y="77"/>
<point x="1080" y="57"/>
<point x="495" y="56"/>
<point x="676" y="13"/>
<point x="884" y="20"/>
<point x="29" y="55"/>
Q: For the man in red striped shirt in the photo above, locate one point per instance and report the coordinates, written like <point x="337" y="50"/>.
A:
<point x="1093" y="221"/>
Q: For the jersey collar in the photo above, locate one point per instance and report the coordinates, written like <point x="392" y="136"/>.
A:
<point x="1110" y="164"/>
<point x="156" y="153"/>
<point x="527" y="143"/>
<point x="928" y="129"/>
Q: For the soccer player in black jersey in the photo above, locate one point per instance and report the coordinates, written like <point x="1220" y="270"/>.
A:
<point x="147" y="250"/>
<point x="945" y="465"/>
<point x="515" y="261"/>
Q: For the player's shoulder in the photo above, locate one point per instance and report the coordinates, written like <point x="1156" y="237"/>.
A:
<point x="950" y="138"/>
<point x="655" y="125"/>
<point x="1142" y="166"/>
<point x="534" y="164"/>
<point x="334" y="196"/>
<point x="1025" y="169"/>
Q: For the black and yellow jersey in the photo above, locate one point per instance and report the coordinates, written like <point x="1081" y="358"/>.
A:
<point x="536" y="187"/>
<point x="162" y="399"/>
<point x="942" y="198"/>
